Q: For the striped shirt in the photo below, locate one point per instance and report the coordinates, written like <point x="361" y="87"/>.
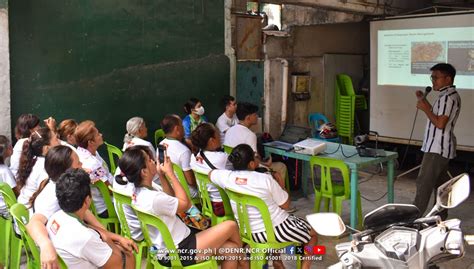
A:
<point x="443" y="141"/>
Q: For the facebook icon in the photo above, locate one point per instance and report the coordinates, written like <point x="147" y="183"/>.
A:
<point x="290" y="250"/>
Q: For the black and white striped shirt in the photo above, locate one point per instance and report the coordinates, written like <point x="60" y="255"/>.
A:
<point x="443" y="141"/>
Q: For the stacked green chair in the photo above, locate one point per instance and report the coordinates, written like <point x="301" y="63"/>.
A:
<point x="346" y="88"/>
<point x="328" y="190"/>
<point x="114" y="153"/>
<point x="122" y="200"/>
<point x="112" y="221"/>
<point x="182" y="179"/>
<point x="242" y="202"/>
<point x="21" y="216"/>
<point x="159" y="135"/>
<point x="147" y="220"/>
<point x="347" y="102"/>
<point x="203" y="181"/>
<point x="11" y="244"/>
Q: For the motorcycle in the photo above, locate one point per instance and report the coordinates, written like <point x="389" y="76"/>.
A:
<point x="396" y="237"/>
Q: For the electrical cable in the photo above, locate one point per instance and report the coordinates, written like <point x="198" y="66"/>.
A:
<point x="409" y="140"/>
<point x="374" y="200"/>
<point x="342" y="151"/>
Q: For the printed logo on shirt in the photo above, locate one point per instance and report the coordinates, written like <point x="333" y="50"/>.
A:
<point x="199" y="159"/>
<point x="97" y="174"/>
<point x="55" y="227"/>
<point x="240" y="181"/>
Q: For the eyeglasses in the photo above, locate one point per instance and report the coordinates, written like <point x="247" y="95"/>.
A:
<point x="433" y="78"/>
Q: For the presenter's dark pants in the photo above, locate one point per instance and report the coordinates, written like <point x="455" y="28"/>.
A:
<point x="433" y="173"/>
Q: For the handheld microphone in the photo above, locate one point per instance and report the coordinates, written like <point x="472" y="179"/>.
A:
<point x="427" y="90"/>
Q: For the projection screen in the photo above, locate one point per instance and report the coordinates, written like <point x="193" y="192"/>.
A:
<point x="402" y="51"/>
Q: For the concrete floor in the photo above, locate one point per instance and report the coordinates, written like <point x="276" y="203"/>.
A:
<point x="373" y="186"/>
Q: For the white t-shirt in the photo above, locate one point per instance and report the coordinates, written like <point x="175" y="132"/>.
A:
<point x="130" y="216"/>
<point x="6" y="176"/>
<point x="224" y="123"/>
<point x="37" y="175"/>
<point x="79" y="246"/>
<point x="239" y="134"/>
<point x="64" y="143"/>
<point x="257" y="184"/>
<point x="180" y="155"/>
<point x="46" y="203"/>
<point x="136" y="141"/>
<point x="219" y="160"/>
<point x="15" y="158"/>
<point x="99" y="171"/>
<point x="164" y="206"/>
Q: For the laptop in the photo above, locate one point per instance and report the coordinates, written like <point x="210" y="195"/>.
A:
<point x="370" y="152"/>
<point x="292" y="134"/>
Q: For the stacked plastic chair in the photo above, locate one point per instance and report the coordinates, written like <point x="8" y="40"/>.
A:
<point x="347" y="102"/>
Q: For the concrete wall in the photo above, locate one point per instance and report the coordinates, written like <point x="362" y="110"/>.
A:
<point x="304" y="49"/>
<point x="4" y="71"/>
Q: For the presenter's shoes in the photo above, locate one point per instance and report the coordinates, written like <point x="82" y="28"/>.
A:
<point x="292" y="209"/>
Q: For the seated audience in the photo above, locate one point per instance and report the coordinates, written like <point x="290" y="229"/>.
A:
<point x="136" y="134"/>
<point x="122" y="185"/>
<point x="244" y="179"/>
<point x="66" y="133"/>
<point x="32" y="172"/>
<point x="206" y="137"/>
<point x="140" y="169"/>
<point x="6" y="176"/>
<point x="241" y="134"/>
<point x="89" y="139"/>
<point x="79" y="245"/>
<point x="178" y="152"/>
<point x="228" y="118"/>
<point x="195" y="116"/>
<point x="45" y="204"/>
<point x="25" y="125"/>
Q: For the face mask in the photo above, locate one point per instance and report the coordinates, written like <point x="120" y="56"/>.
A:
<point x="200" y="111"/>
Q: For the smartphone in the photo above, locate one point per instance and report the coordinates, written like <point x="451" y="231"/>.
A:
<point x="161" y="154"/>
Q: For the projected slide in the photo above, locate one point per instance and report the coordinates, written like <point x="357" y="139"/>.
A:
<point x="405" y="56"/>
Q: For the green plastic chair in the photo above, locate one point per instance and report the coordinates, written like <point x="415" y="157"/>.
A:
<point x="228" y="149"/>
<point x="22" y="217"/>
<point x="114" y="154"/>
<point x="182" y="179"/>
<point x="203" y="181"/>
<point x="243" y="201"/>
<point x="121" y="200"/>
<point x="346" y="88"/>
<point x="112" y="221"/>
<point x="11" y="246"/>
<point x="147" y="220"/>
<point x="330" y="191"/>
<point x="159" y="135"/>
<point x="347" y="102"/>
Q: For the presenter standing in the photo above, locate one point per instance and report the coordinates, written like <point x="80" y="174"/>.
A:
<point x="439" y="144"/>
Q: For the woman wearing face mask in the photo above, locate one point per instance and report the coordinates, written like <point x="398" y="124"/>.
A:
<point x="195" y="111"/>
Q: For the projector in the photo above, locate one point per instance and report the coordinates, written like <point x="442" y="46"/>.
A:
<point x="310" y="146"/>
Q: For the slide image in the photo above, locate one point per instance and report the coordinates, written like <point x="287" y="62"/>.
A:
<point x="425" y="54"/>
<point x="462" y="52"/>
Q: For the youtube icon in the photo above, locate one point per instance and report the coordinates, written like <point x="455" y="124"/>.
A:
<point x="319" y="250"/>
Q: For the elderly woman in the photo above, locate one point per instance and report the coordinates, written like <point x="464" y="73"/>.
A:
<point x="136" y="134"/>
<point x="89" y="139"/>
